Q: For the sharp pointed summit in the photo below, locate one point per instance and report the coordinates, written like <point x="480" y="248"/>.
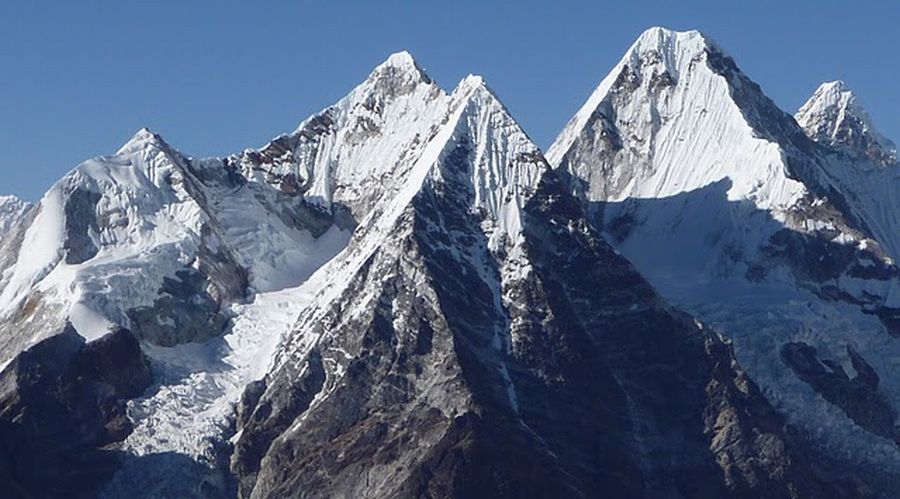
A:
<point x="400" y="66"/>
<point x="482" y="272"/>
<point x="403" y="298"/>
<point x="400" y="60"/>
<point x="834" y="117"/>
<point x="691" y="170"/>
<point x="143" y="138"/>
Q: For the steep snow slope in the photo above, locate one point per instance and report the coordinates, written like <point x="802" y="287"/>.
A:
<point x="103" y="242"/>
<point x="15" y="216"/>
<point x="346" y="155"/>
<point x="859" y="160"/>
<point x="725" y="205"/>
<point x="661" y="107"/>
<point x="834" y="117"/>
<point x="338" y="163"/>
<point x="476" y="315"/>
<point x="132" y="238"/>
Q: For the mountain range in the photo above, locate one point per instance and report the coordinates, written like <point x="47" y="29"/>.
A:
<point x="692" y="294"/>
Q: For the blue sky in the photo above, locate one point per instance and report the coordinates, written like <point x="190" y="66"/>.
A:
<point x="214" y="77"/>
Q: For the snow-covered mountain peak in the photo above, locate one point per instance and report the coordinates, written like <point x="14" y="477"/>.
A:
<point x="399" y="69"/>
<point x="142" y="139"/>
<point x="7" y="202"/>
<point x="403" y="61"/>
<point x="474" y="88"/>
<point x="11" y="204"/>
<point x="486" y="153"/>
<point x="11" y="208"/>
<point x="654" y="64"/>
<point x="829" y="94"/>
<point x="834" y="117"/>
<point x="713" y="192"/>
<point x="349" y="153"/>
<point x="471" y="83"/>
<point x="652" y="127"/>
<point x="669" y="45"/>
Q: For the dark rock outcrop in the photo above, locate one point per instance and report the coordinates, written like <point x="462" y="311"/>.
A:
<point x="449" y="373"/>
<point x="858" y="397"/>
<point x="61" y="406"/>
<point x="81" y="222"/>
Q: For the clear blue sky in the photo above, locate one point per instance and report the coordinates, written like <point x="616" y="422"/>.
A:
<point x="78" y="78"/>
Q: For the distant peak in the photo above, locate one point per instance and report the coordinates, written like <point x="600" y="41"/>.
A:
<point x="7" y="201"/>
<point x="141" y="139"/>
<point x="144" y="134"/>
<point x="401" y="63"/>
<point x="475" y="87"/>
<point x="402" y="59"/>
<point x="833" y="116"/>
<point x="659" y="34"/>
<point x="668" y="41"/>
<point x="472" y="82"/>
<point x="831" y="93"/>
<point x="10" y="207"/>
<point x="833" y="86"/>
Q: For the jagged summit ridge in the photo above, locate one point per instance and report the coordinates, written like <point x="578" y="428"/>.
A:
<point x="404" y="62"/>
<point x="834" y="117"/>
<point x="723" y="203"/>
<point x="410" y="294"/>
<point x="459" y="292"/>
<point x="11" y="207"/>
<point x="669" y="45"/>
<point x="339" y="157"/>
<point x="657" y="45"/>
<point x="671" y="114"/>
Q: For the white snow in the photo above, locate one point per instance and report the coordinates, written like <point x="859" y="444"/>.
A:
<point x="197" y="385"/>
<point x="833" y="115"/>
<point x="700" y="135"/>
<point x="378" y="126"/>
<point x="43" y="241"/>
<point x="704" y="192"/>
<point x="501" y="183"/>
<point x="11" y="210"/>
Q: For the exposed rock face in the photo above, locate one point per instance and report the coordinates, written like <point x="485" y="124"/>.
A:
<point x="729" y="209"/>
<point x="476" y="336"/>
<point x="61" y="406"/>
<point x="859" y="397"/>
<point x="275" y="215"/>
<point x="346" y="156"/>
<point x="132" y="238"/>
<point x="474" y="347"/>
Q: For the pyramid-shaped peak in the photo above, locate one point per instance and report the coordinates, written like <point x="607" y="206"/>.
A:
<point x="143" y="138"/>
<point x="472" y="81"/>
<point x="661" y="50"/>
<point x="402" y="59"/>
<point x="401" y="64"/>
<point x="831" y="93"/>
<point x="833" y="86"/>
<point x="474" y="88"/>
<point x="472" y="84"/>
<point x="833" y="116"/>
